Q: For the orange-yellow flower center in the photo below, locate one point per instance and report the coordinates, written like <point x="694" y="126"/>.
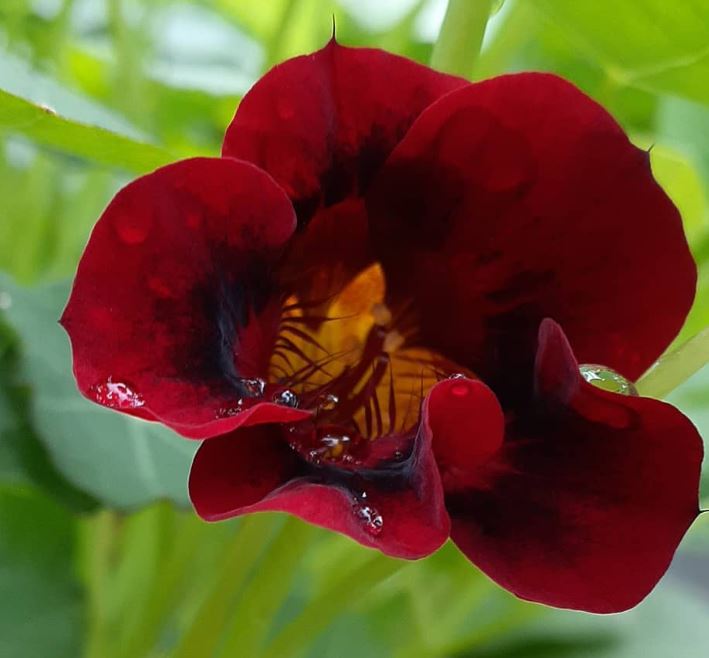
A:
<point x="356" y="361"/>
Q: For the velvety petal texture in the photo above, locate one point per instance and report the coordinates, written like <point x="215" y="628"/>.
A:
<point x="322" y="124"/>
<point x="172" y="306"/>
<point x="587" y="500"/>
<point x="395" y="505"/>
<point x="520" y="198"/>
<point x="369" y="308"/>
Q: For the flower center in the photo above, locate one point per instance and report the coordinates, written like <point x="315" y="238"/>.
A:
<point x="358" y="363"/>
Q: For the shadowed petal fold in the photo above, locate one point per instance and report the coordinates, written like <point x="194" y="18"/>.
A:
<point x="520" y="198"/>
<point x="588" y="498"/>
<point x="396" y="507"/>
<point x="322" y="125"/>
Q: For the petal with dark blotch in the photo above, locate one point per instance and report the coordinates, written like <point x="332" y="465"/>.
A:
<point x="589" y="497"/>
<point x="397" y="509"/>
<point x="520" y="198"/>
<point x="173" y="304"/>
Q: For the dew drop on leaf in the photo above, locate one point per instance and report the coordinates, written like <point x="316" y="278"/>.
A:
<point x="607" y="379"/>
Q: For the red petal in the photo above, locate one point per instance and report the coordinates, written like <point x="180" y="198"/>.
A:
<point x="520" y="198"/>
<point x="467" y="426"/>
<point x="321" y="124"/>
<point x="254" y="470"/>
<point x="172" y="301"/>
<point x="590" y="496"/>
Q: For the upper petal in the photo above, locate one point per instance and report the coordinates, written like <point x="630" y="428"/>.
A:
<point x="322" y="124"/>
<point x="589" y="497"/>
<point x="173" y="304"/>
<point x="520" y="198"/>
<point x="396" y="508"/>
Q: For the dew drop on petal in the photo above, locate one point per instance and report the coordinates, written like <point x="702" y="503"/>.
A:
<point x="286" y="397"/>
<point x="132" y="229"/>
<point x="116" y="395"/>
<point x="230" y="410"/>
<point x="460" y="390"/>
<point x="253" y="386"/>
<point x="457" y="375"/>
<point x="607" y="379"/>
<point x="328" y="402"/>
<point x="368" y="516"/>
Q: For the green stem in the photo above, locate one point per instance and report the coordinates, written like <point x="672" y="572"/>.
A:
<point x="204" y="633"/>
<point x="324" y="608"/>
<point x="266" y="592"/>
<point x="675" y="367"/>
<point x="461" y="36"/>
<point x="99" y="536"/>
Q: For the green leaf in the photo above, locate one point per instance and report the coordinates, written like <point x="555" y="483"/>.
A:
<point x="651" y="44"/>
<point x="41" y="607"/>
<point x="99" y="145"/>
<point x="123" y="461"/>
<point x="23" y="458"/>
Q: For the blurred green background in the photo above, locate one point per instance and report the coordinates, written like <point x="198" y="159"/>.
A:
<point x="99" y="553"/>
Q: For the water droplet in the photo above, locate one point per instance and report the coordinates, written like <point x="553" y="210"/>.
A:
<point x="254" y="387"/>
<point x="286" y="397"/>
<point x="5" y="301"/>
<point x="333" y="445"/>
<point x="368" y="516"/>
<point x="231" y="410"/>
<point x="48" y="109"/>
<point x="460" y="390"/>
<point x="116" y="395"/>
<point x="607" y="379"/>
<point x="132" y="228"/>
<point x="328" y="402"/>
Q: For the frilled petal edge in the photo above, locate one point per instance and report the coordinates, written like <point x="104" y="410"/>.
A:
<point x="397" y="509"/>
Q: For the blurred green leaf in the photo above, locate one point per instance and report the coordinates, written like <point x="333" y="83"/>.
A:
<point x="692" y="398"/>
<point x="680" y="179"/>
<point x="123" y="461"/>
<point x="41" y="607"/>
<point x="23" y="458"/>
<point x="652" y="44"/>
<point x="44" y="126"/>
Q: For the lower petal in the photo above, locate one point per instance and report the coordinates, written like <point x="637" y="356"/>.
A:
<point x="398" y="509"/>
<point x="589" y="497"/>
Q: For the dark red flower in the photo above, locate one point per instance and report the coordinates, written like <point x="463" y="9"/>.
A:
<point x="368" y="306"/>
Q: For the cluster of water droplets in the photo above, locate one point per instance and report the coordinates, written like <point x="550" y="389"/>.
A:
<point x="372" y="521"/>
<point x="607" y="379"/>
<point x="116" y="395"/>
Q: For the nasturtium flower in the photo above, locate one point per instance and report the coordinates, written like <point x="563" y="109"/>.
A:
<point x="372" y="309"/>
